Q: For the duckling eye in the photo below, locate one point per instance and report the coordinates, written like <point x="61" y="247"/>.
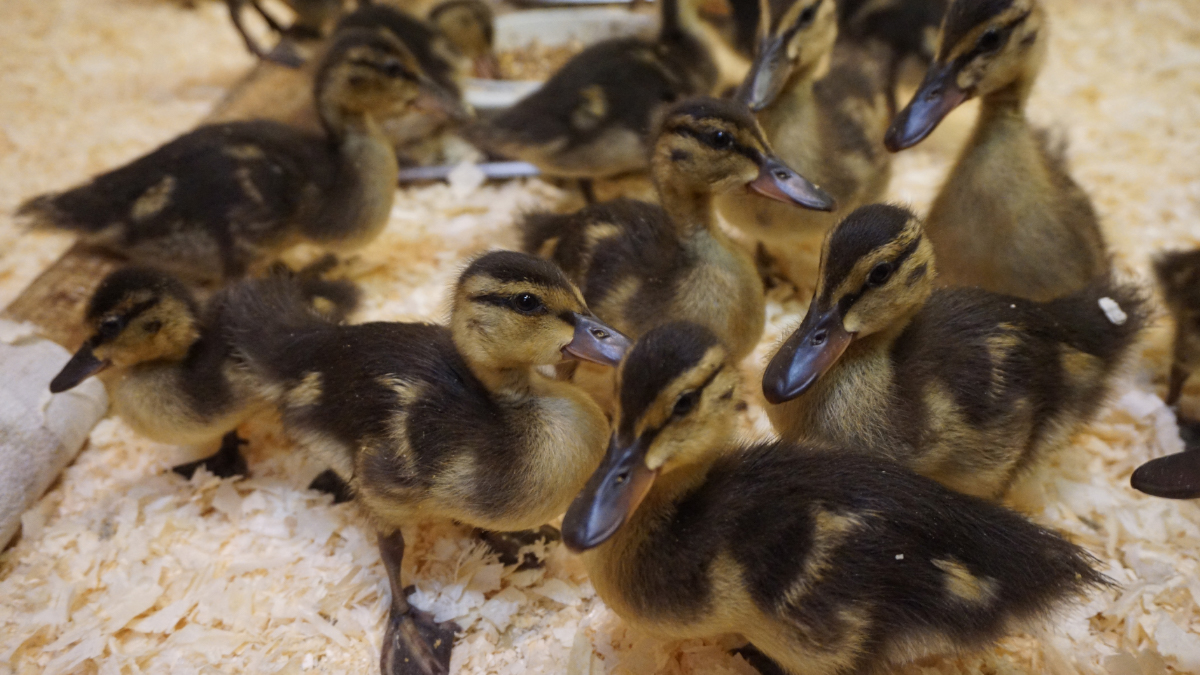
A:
<point x="685" y="404"/>
<point x="808" y="13"/>
<point x="722" y="140"/>
<point x="397" y="69"/>
<point x="527" y="303"/>
<point x="990" y="40"/>
<point x="880" y="274"/>
<point x="110" y="327"/>
<point x="152" y="327"/>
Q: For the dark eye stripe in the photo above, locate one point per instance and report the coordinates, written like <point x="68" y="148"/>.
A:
<point x="847" y="301"/>
<point x="127" y="318"/>
<point x="752" y="154"/>
<point x="1005" y="34"/>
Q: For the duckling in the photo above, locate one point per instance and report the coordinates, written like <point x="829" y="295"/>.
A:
<point x="313" y="20"/>
<point x="827" y="562"/>
<point x="596" y="116"/>
<point x="430" y="421"/>
<point x="827" y="121"/>
<point x="1009" y="219"/>
<point x="640" y="265"/>
<point x="469" y="25"/>
<point x="415" y="132"/>
<point x="211" y="202"/>
<point x="907" y="27"/>
<point x="167" y="365"/>
<point x="1178" y="476"/>
<point x="964" y="386"/>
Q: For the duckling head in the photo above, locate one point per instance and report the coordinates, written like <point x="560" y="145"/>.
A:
<point x="677" y="406"/>
<point x="368" y="72"/>
<point x="513" y="310"/>
<point x="138" y="315"/>
<point x="986" y="47"/>
<point x="877" y="270"/>
<point x="469" y="25"/>
<point x="796" y="45"/>
<point x="709" y="146"/>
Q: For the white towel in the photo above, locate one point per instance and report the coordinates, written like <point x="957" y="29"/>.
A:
<point x="40" y="432"/>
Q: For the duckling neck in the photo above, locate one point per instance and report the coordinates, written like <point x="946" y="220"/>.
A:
<point x="690" y="208"/>
<point x="359" y="201"/>
<point x="1007" y="102"/>
<point x="511" y="381"/>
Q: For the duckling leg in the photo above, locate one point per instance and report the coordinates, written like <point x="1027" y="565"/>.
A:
<point x="509" y="544"/>
<point x="332" y="484"/>
<point x="414" y="644"/>
<point x="1175" y="384"/>
<point x="759" y="661"/>
<point x="588" y="188"/>
<point x="226" y="462"/>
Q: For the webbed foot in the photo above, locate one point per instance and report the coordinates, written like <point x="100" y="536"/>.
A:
<point x="1173" y="477"/>
<point x="415" y="644"/>
<point x="225" y="463"/>
<point x="332" y="484"/>
<point x="509" y="544"/>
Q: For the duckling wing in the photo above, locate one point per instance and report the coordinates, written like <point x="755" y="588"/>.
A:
<point x="988" y="382"/>
<point x="203" y="202"/>
<point x="851" y="562"/>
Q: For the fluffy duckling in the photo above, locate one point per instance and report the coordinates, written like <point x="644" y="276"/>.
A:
<point x="1010" y="219"/>
<point x="469" y="25"/>
<point x="1178" y="476"/>
<point x="415" y="132"/>
<point x="215" y="200"/>
<point x="826" y="121"/>
<point x="596" y="116"/>
<point x="907" y="27"/>
<point x="826" y="562"/>
<point x="430" y="421"/>
<point x="964" y="386"/>
<point x="313" y="21"/>
<point x="640" y="265"/>
<point x="167" y="365"/>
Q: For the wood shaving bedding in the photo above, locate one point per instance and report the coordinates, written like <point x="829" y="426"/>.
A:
<point x="126" y="568"/>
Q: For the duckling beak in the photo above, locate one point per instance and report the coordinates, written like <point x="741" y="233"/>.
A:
<point x="610" y="496"/>
<point x="82" y="365"/>
<point x="778" y="181"/>
<point x="438" y="100"/>
<point x="1172" y="477"/>
<point x="769" y="72"/>
<point x="804" y="357"/>
<point x="596" y="342"/>
<point x="935" y="98"/>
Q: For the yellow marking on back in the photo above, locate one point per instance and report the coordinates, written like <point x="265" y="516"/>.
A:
<point x="830" y="530"/>
<point x="153" y="200"/>
<point x="245" y="179"/>
<point x="245" y="151"/>
<point x="591" y="110"/>
<point x="1082" y="369"/>
<point x="964" y="585"/>
<point x="307" y="393"/>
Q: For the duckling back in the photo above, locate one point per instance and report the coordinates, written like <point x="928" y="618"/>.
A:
<point x="835" y="563"/>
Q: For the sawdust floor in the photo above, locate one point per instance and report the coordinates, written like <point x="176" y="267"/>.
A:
<point x="123" y="568"/>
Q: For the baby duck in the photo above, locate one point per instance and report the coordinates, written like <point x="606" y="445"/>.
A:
<point x="469" y="26"/>
<point x="167" y="365"/>
<point x="1178" y="476"/>
<point x="1009" y="219"/>
<point x="596" y="116"/>
<point x="907" y="27"/>
<point x="825" y="121"/>
<point x="215" y="200"/>
<point x="964" y="386"/>
<point x="430" y="421"/>
<point x="640" y="265"/>
<point x="826" y="562"/>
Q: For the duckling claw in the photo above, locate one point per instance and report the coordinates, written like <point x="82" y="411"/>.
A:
<point x="416" y="645"/>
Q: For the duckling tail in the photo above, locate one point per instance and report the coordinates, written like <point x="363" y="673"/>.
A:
<point x="1102" y="319"/>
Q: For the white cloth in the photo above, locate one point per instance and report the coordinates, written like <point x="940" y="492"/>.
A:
<point x="40" y="432"/>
